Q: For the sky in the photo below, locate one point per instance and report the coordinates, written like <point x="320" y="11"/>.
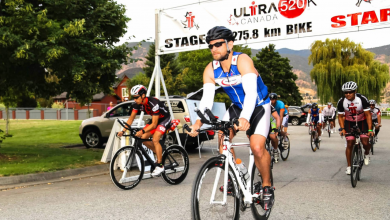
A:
<point x="142" y="25"/>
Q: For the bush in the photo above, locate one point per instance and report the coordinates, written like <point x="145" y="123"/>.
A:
<point x="26" y="101"/>
<point x="57" y="105"/>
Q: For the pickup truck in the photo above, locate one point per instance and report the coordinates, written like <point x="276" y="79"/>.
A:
<point x="95" y="131"/>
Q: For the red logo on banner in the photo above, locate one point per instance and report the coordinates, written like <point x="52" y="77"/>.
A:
<point x="190" y="21"/>
<point x="253" y="8"/>
<point x="292" y="8"/>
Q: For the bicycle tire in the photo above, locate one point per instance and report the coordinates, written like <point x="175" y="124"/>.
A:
<point x="202" y="183"/>
<point x="372" y="144"/>
<point x="312" y="142"/>
<point x="116" y="173"/>
<point x="329" y="129"/>
<point x="255" y="208"/>
<point x="354" y="165"/>
<point x="284" y="153"/>
<point x="361" y="161"/>
<point x="175" y="157"/>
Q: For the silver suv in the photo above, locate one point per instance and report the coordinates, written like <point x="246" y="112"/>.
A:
<point x="95" y="131"/>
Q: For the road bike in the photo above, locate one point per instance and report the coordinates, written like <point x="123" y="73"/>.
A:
<point x="245" y="190"/>
<point x="328" y="118"/>
<point x="314" y="140"/>
<point x="373" y="139"/>
<point x="357" y="158"/>
<point x="129" y="164"/>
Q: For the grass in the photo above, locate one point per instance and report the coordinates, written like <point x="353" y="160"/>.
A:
<point x="385" y="117"/>
<point x="36" y="147"/>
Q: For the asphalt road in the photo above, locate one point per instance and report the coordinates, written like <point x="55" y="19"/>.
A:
<point x="309" y="185"/>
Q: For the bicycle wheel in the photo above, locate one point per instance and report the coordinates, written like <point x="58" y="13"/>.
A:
<point x="372" y="142"/>
<point x="257" y="184"/>
<point x="354" y="165"/>
<point x="176" y="164"/>
<point x="285" y="152"/>
<point x="210" y="177"/>
<point x="329" y="129"/>
<point x="127" y="168"/>
<point x="312" y="142"/>
<point x="361" y="161"/>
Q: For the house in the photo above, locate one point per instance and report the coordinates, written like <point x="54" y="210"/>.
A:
<point x="120" y="87"/>
<point x="100" y="102"/>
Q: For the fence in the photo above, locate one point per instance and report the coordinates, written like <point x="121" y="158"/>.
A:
<point x="48" y="114"/>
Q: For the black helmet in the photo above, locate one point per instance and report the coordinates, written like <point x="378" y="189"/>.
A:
<point x="273" y="96"/>
<point x="219" y="32"/>
<point x="314" y="105"/>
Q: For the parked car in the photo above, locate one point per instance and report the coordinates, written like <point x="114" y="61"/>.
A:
<point x="297" y="115"/>
<point x="94" y="132"/>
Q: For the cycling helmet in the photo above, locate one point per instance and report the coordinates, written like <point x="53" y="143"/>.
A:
<point x="219" y="32"/>
<point x="349" y="86"/>
<point x="138" y="90"/>
<point x="314" y="105"/>
<point x="329" y="103"/>
<point x="273" y="96"/>
<point x="372" y="102"/>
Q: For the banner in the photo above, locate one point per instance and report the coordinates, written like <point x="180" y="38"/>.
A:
<point x="184" y="28"/>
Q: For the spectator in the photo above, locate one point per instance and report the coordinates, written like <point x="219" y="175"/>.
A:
<point x="110" y="107"/>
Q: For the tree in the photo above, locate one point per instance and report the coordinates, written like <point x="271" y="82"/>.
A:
<point x="338" y="61"/>
<point x="277" y="75"/>
<point x="164" y="60"/>
<point x="48" y="47"/>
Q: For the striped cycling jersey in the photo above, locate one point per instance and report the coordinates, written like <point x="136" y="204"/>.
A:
<point x="231" y="82"/>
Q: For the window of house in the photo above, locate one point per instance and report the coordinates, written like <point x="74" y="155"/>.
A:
<point x="125" y="92"/>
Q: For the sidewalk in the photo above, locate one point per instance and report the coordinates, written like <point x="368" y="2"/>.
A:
<point x="10" y="182"/>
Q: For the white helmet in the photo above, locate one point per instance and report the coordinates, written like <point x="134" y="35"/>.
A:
<point x="372" y="102"/>
<point x="349" y="86"/>
<point x="329" y="103"/>
<point x="138" y="90"/>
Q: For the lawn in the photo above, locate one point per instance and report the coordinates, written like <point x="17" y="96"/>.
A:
<point x="385" y="117"/>
<point x="36" y="147"/>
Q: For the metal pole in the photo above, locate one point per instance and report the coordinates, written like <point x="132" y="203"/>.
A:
<point x="157" y="57"/>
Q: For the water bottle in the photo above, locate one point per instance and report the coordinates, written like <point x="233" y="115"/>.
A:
<point x="243" y="170"/>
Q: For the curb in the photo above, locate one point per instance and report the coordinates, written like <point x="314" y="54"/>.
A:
<point x="93" y="170"/>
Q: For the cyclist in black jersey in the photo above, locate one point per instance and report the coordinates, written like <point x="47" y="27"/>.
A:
<point x="376" y="117"/>
<point x="161" y="121"/>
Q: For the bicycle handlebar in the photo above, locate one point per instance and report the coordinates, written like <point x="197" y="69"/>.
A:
<point x="214" y="122"/>
<point x="133" y="131"/>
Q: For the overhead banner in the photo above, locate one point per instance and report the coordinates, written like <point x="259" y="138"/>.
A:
<point x="184" y="28"/>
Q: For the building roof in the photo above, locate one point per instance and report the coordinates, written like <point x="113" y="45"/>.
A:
<point x="130" y="73"/>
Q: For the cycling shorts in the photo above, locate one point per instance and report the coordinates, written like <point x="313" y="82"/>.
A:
<point x="285" y="121"/>
<point x="375" y="121"/>
<point x="330" y="118"/>
<point x="163" y="125"/>
<point x="259" y="121"/>
<point x="362" y="125"/>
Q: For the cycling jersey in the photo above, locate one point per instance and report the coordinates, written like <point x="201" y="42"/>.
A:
<point x="375" y="112"/>
<point x="152" y="107"/>
<point x="280" y="105"/>
<point x="329" y="112"/>
<point x="315" y="115"/>
<point x="353" y="110"/>
<point x="231" y="83"/>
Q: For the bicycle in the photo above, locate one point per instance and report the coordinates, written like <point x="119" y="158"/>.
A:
<point x="126" y="173"/>
<point x="284" y="150"/>
<point x="244" y="191"/>
<point x="314" y="140"/>
<point x="357" y="158"/>
<point x="373" y="139"/>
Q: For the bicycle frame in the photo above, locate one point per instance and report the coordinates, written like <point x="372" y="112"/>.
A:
<point x="229" y="161"/>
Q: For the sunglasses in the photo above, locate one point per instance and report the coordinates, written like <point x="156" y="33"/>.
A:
<point x="136" y="97"/>
<point x="349" y="92"/>
<point x="218" y="44"/>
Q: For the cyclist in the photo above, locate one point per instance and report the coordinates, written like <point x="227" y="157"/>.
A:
<point x="161" y="121"/>
<point x="376" y="117"/>
<point x="285" y="120"/>
<point x="315" y="115"/>
<point x="352" y="108"/>
<point x="273" y="135"/>
<point x="236" y="74"/>
<point x="329" y="113"/>
<point x="282" y="111"/>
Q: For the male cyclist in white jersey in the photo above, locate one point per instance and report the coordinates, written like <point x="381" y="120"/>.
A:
<point x="238" y="77"/>
<point x="376" y="117"/>
<point x="354" y="108"/>
<point x="329" y="113"/>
